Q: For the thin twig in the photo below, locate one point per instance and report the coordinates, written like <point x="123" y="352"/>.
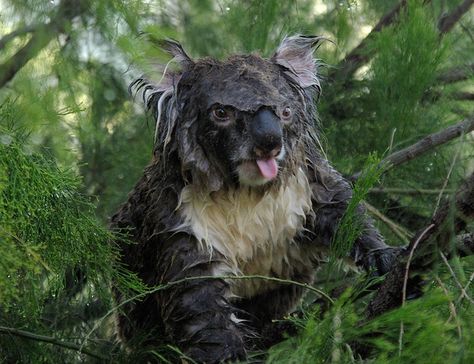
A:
<point x="462" y="295"/>
<point x="405" y="282"/>
<point x="446" y="180"/>
<point x="451" y="271"/>
<point x="399" y="230"/>
<point x="452" y="308"/>
<point x="51" y="340"/>
<point x="410" y="257"/>
<point x="467" y="31"/>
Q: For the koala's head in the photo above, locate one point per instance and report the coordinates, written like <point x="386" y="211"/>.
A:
<point x="245" y="121"/>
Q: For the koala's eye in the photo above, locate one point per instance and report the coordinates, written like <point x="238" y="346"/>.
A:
<point x="222" y="114"/>
<point x="286" y="113"/>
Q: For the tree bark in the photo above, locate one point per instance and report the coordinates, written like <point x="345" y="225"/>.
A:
<point x="424" y="145"/>
<point x="438" y="236"/>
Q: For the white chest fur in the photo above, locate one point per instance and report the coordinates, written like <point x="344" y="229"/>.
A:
<point x="253" y="232"/>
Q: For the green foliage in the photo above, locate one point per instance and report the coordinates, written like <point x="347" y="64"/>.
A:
<point x="402" y="70"/>
<point x="44" y="218"/>
<point x="48" y="233"/>
<point x="350" y="226"/>
<point x="419" y="332"/>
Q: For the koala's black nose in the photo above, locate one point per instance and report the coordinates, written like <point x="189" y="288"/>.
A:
<point x="267" y="133"/>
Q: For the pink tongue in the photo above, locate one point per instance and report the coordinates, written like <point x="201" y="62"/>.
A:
<point x="268" y="167"/>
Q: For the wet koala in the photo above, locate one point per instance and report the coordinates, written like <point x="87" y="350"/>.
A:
<point x="238" y="185"/>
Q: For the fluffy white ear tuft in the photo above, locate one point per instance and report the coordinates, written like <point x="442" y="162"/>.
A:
<point x="295" y="53"/>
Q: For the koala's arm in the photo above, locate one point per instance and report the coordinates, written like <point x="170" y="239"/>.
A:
<point x="331" y="195"/>
<point x="196" y="314"/>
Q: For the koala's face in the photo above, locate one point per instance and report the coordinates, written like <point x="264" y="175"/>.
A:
<point x="250" y="118"/>
<point x="246" y="121"/>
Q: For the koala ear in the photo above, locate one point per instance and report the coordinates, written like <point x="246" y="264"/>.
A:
<point x="176" y="50"/>
<point x="296" y="55"/>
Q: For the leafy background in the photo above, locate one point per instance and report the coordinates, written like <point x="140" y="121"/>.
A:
<point x="73" y="142"/>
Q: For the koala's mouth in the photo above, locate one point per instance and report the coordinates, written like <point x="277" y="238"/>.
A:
<point x="259" y="171"/>
<point x="268" y="167"/>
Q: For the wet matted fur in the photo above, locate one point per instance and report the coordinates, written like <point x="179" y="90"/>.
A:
<point x="238" y="186"/>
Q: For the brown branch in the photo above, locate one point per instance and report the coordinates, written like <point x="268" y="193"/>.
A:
<point x="429" y="142"/>
<point x="389" y="294"/>
<point x="456" y="74"/>
<point x="425" y="145"/>
<point x="361" y="54"/>
<point x="462" y="96"/>
<point x="447" y="22"/>
<point x="16" y="33"/>
<point x="42" y="35"/>
<point x="51" y="340"/>
<point x="38" y="41"/>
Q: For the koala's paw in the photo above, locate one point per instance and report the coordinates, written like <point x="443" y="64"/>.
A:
<point x="382" y="260"/>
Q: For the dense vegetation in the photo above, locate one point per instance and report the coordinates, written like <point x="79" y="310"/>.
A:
<point x="72" y="143"/>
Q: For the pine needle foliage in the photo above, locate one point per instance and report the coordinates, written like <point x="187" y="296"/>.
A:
<point x="350" y="226"/>
<point x="402" y="70"/>
<point x="48" y="231"/>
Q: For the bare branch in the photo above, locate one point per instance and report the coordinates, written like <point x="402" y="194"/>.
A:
<point x="456" y="74"/>
<point x="426" y="144"/>
<point x="38" y="41"/>
<point x="51" y="340"/>
<point x="447" y="22"/>
<point x="42" y="35"/>
<point x="462" y="96"/>
<point x="16" y="33"/>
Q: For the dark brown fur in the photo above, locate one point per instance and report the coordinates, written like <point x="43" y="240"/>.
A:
<point x="198" y="316"/>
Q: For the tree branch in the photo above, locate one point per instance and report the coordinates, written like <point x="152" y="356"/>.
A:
<point x="446" y="23"/>
<point x="16" y="33"/>
<point x="462" y="96"/>
<point x="425" y="244"/>
<point x="41" y="37"/>
<point x="51" y="340"/>
<point x="360" y="54"/>
<point x="424" y="145"/>
<point x="38" y="41"/>
<point x="429" y="142"/>
<point x="456" y="74"/>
